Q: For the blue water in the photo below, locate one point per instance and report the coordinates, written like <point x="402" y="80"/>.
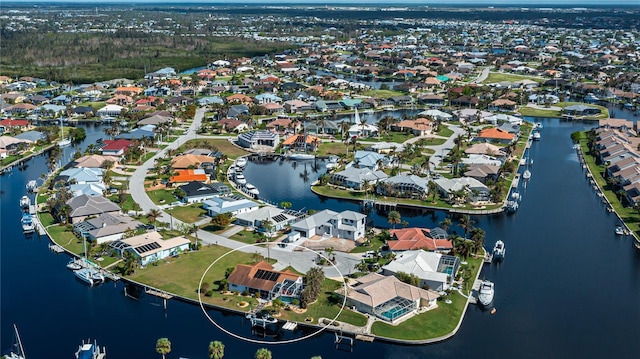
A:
<point x="567" y="288"/>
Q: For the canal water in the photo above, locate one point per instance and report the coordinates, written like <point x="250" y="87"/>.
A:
<point x="568" y="287"/>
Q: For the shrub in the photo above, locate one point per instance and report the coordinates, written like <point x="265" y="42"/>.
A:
<point x="209" y="293"/>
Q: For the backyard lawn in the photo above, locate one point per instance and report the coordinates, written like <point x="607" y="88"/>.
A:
<point x="248" y="237"/>
<point x="331" y="148"/>
<point x="222" y="144"/>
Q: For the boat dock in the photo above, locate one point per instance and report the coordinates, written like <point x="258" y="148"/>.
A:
<point x="365" y="338"/>
<point x="157" y="293"/>
<point x="290" y="326"/>
<point x="56" y="248"/>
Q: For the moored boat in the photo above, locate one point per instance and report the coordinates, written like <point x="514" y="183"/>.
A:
<point x="240" y="179"/>
<point x="27" y="223"/>
<point x="261" y="319"/>
<point x="89" y="275"/>
<point x="241" y="162"/>
<point x="499" y="250"/>
<point x="90" y="351"/>
<point x="619" y="230"/>
<point x="16" y="351"/>
<point x="251" y="189"/>
<point x="74" y="265"/>
<point x="536" y="135"/>
<point x="526" y="174"/>
<point x="301" y="156"/>
<point x="511" y="206"/>
<point x="25" y="202"/>
<point x="485" y="293"/>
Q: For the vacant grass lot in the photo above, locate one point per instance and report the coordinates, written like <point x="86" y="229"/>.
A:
<point x="248" y="237"/>
<point x="331" y="148"/>
<point x="499" y="77"/>
<point x="222" y="144"/>
<point x="188" y="214"/>
<point x="162" y="196"/>
<point x="382" y="93"/>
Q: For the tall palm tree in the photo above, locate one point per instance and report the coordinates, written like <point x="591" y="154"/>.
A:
<point x="433" y="189"/>
<point x="216" y="350"/>
<point x="163" y="346"/>
<point x="477" y="236"/>
<point x="445" y="223"/>
<point x="263" y="353"/>
<point x="344" y="128"/>
<point x="466" y="223"/>
<point x="153" y="215"/>
<point x="394" y="218"/>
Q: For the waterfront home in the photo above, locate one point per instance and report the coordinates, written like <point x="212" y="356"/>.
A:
<point x="81" y="175"/>
<point x="301" y="142"/>
<point x="257" y="140"/>
<point x="146" y="131"/>
<point x="10" y="145"/>
<point x="323" y="127"/>
<point x="385" y="147"/>
<point x="110" y="110"/>
<point x="363" y="130"/>
<point x="295" y="106"/>
<point x="616" y="123"/>
<point x="150" y="247"/>
<point x="228" y="204"/>
<point x="368" y="159"/>
<point x="155" y="120"/>
<point x="387" y="298"/>
<point x="471" y="115"/>
<point x="346" y="224"/>
<point x="264" y="282"/>
<point x="484" y="148"/>
<point x="93" y="161"/>
<point x="496" y="135"/>
<point x="502" y="118"/>
<point x="436" y="271"/>
<point x="115" y="147"/>
<point x="403" y="185"/>
<point x="195" y="192"/>
<point x="189" y="175"/>
<point x="278" y="218"/>
<point x="458" y="189"/>
<point x="9" y="124"/>
<point x="431" y="100"/>
<point x="475" y="159"/>
<point x="89" y="189"/>
<point x="581" y="110"/>
<point x="502" y="104"/>
<point x="483" y="172"/>
<point x="419" y="126"/>
<point x="354" y="178"/>
<point x="405" y="239"/>
<point x="84" y="206"/>
<point x="31" y="136"/>
<point x="106" y="227"/>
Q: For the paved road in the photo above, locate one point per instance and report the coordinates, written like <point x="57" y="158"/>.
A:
<point x="483" y="75"/>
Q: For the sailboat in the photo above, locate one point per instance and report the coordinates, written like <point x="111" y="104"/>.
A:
<point x="17" y="351"/>
<point x="88" y="274"/>
<point x="64" y="142"/>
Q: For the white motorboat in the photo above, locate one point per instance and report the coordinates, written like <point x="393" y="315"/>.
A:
<point x="536" y="135"/>
<point x="331" y="165"/>
<point x="485" y="294"/>
<point x="90" y="351"/>
<point x="25" y="202"/>
<point x="499" y="250"/>
<point x="526" y="174"/>
<point x="27" y="223"/>
<point x="515" y="196"/>
<point x="241" y="162"/>
<point x="89" y="275"/>
<point x="512" y="206"/>
<point x="31" y="185"/>
<point x="301" y="156"/>
<point x="240" y="179"/>
<point x="261" y="319"/>
<point x="251" y="189"/>
<point x="591" y="98"/>
<point x="74" y="265"/>
<point x="619" y="230"/>
<point x="537" y="125"/>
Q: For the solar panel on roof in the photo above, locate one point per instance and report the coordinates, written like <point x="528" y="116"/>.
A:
<point x="147" y="247"/>
<point x="279" y="218"/>
<point x="267" y="275"/>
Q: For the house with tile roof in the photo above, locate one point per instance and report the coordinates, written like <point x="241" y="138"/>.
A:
<point x="414" y="238"/>
<point x="496" y="135"/>
<point x="404" y="185"/>
<point x="85" y="206"/>
<point x="387" y="298"/>
<point x="228" y="204"/>
<point x="263" y="281"/>
<point x="353" y="177"/>
<point x="115" y="147"/>
<point x="106" y="227"/>
<point x="189" y="175"/>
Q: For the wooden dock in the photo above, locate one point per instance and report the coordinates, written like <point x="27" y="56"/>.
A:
<point x="365" y="338"/>
<point x="157" y="293"/>
<point x="56" y="248"/>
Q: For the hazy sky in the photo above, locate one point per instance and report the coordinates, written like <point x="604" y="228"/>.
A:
<point x="369" y="2"/>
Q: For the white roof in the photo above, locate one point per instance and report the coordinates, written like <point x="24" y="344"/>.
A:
<point x="421" y="263"/>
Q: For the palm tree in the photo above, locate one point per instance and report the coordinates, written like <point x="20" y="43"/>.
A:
<point x="344" y="128"/>
<point x="445" y="223"/>
<point x="153" y="215"/>
<point x="216" y="350"/>
<point x="466" y="223"/>
<point x="433" y="189"/>
<point x="64" y="212"/>
<point x="394" y="218"/>
<point x="163" y="346"/>
<point x="263" y="353"/>
<point x="130" y="263"/>
<point x="477" y="236"/>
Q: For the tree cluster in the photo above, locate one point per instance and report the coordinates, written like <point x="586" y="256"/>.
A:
<point x="314" y="279"/>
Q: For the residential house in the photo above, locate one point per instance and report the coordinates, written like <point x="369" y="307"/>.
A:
<point x="233" y="125"/>
<point x="581" y="110"/>
<point x="259" y="139"/>
<point x="369" y="159"/>
<point x="150" y="247"/>
<point x="406" y="239"/>
<point x="419" y="127"/>
<point x="31" y="136"/>
<point x="106" y="227"/>
<point x="296" y="106"/>
<point x="195" y="192"/>
<point x="282" y="124"/>
<point x="10" y="145"/>
<point x="323" y="127"/>
<point x="84" y="206"/>
<point x="346" y="224"/>
<point x="502" y="104"/>
<point x="387" y="298"/>
<point x="278" y="218"/>
<point x="189" y="175"/>
<point x="115" y="148"/>
<point x="81" y="175"/>
<point x="436" y="271"/>
<point x="228" y="204"/>
<point x="483" y="172"/>
<point x="301" y="142"/>
<point x="93" y="161"/>
<point x="475" y="159"/>
<point x="110" y="110"/>
<point x="404" y="185"/>
<point x="266" y="283"/>
<point x="496" y="135"/>
<point x="354" y="178"/>
<point x="190" y="161"/>
<point x="484" y="148"/>
<point x="9" y="124"/>
<point x="457" y="189"/>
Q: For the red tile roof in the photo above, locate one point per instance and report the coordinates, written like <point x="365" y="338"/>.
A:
<point x="496" y="133"/>
<point x="188" y="176"/>
<point x="416" y="238"/>
<point x="116" y="145"/>
<point x="14" y="123"/>
<point x="244" y="275"/>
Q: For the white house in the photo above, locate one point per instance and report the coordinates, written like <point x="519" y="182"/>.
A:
<point x="435" y="270"/>
<point x="233" y="205"/>
<point x="346" y="224"/>
<point x="476" y="190"/>
<point x="150" y="247"/>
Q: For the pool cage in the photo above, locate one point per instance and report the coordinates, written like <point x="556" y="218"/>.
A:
<point x="287" y="288"/>
<point x="394" y="308"/>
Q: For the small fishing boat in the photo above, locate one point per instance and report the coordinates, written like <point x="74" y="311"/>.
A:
<point x="485" y="294"/>
<point x="31" y="185"/>
<point x="619" y="230"/>
<point x="241" y="162"/>
<point x="25" y="202"/>
<point x="511" y="206"/>
<point x="499" y="250"/>
<point x="261" y="319"/>
<point x="27" y="223"/>
<point x="536" y="135"/>
<point x="90" y="351"/>
<point x="251" y="189"/>
<point x="591" y="98"/>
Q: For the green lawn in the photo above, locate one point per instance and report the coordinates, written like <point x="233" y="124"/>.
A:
<point x="188" y="214"/>
<point x="432" y="324"/>
<point x="248" y="237"/>
<point x="66" y="239"/>
<point x="534" y="112"/>
<point x="127" y="205"/>
<point x="444" y="131"/>
<point x="392" y="136"/>
<point x="331" y="148"/>
<point x="46" y="219"/>
<point x="162" y="196"/>
<point x="499" y="77"/>
<point x="383" y="93"/>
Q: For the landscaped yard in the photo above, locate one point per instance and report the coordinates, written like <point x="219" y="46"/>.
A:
<point x="543" y="112"/>
<point x="128" y="205"/>
<point x="188" y="214"/>
<point x="162" y="196"/>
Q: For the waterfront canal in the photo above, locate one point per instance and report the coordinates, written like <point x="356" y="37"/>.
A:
<point x="568" y="286"/>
